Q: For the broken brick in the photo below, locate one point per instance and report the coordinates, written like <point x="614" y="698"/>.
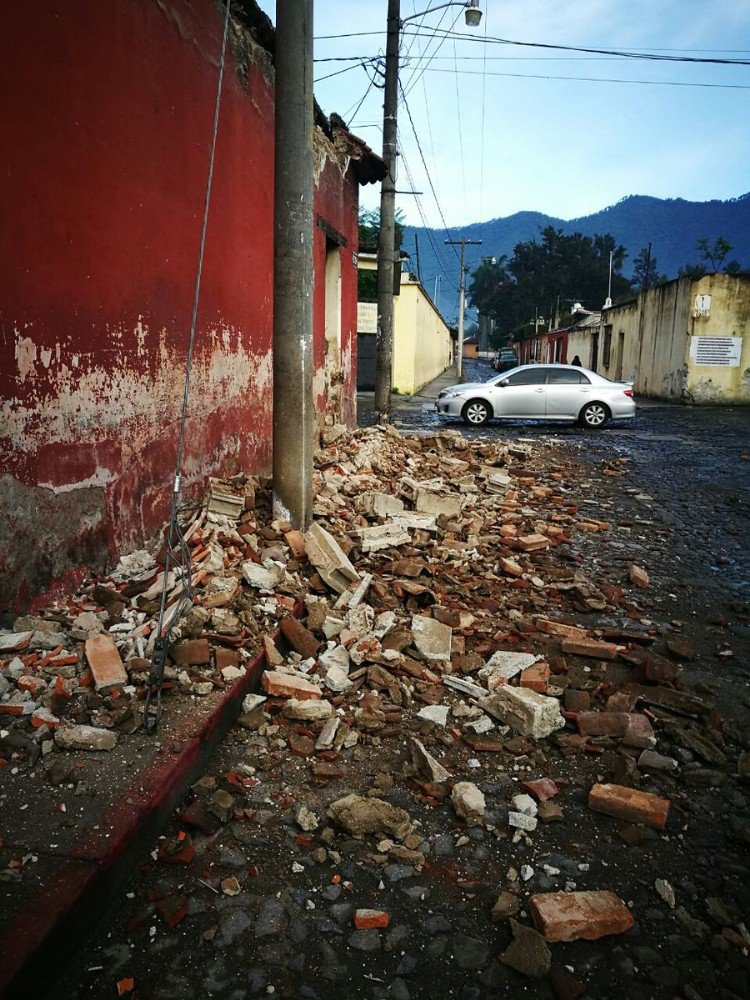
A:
<point x="638" y="576"/>
<point x="281" y="685"/>
<point x="104" y="662"/>
<point x="536" y="677"/>
<point x="629" y="804"/>
<point x="590" y="647"/>
<point x="364" y="919"/>
<point x="569" y="916"/>
<point x="192" y="653"/>
<point x="299" y="638"/>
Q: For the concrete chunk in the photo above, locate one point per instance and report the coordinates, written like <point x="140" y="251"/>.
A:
<point x="85" y="738"/>
<point x="426" y="764"/>
<point x="447" y="504"/>
<point x="529" y="713"/>
<point x="468" y="801"/>
<point x="335" y="663"/>
<point x="503" y="665"/>
<point x="432" y="638"/>
<point x="262" y="577"/>
<point x="382" y="536"/>
<point x="328" y="558"/>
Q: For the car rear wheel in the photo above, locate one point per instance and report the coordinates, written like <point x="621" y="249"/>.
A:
<point x="476" y="412"/>
<point x="595" y="416"/>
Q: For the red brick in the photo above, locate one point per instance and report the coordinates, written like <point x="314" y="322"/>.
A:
<point x="296" y="542"/>
<point x="370" y="918"/>
<point x="192" y="653"/>
<point x="560" y="628"/>
<point x="629" y="804"/>
<point x="638" y="576"/>
<point x="577" y="701"/>
<point x="542" y="788"/>
<point x="280" y="685"/>
<point x="226" y="658"/>
<point x="299" y="638"/>
<point x="602" y="723"/>
<point x="532" y="543"/>
<point x="535" y="677"/>
<point x="569" y="916"/>
<point x="590" y="647"/>
<point x="104" y="662"/>
<point x="511" y="567"/>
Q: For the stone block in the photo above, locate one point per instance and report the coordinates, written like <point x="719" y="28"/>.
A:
<point x="527" y="712"/>
<point x="327" y="556"/>
<point x="432" y="638"/>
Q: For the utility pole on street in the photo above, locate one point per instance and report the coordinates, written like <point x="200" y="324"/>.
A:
<point x="293" y="409"/>
<point x="387" y="258"/>
<point x="463" y="243"/>
<point x="387" y="234"/>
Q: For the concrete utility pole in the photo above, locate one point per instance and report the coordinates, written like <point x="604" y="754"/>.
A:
<point x="386" y="237"/>
<point x="463" y="242"/>
<point x="293" y="410"/>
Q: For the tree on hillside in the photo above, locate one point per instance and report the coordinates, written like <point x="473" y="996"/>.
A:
<point x="714" y="254"/>
<point x="546" y="276"/>
<point x="646" y="271"/>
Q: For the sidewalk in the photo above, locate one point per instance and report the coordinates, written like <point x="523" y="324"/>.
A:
<point x="475" y="370"/>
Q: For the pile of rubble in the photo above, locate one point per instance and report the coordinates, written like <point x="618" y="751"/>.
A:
<point x="430" y="616"/>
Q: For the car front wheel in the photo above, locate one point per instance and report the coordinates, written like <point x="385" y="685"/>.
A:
<point x="594" y="416"/>
<point x="476" y="413"/>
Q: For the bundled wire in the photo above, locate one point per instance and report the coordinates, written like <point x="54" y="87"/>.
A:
<point x="177" y="565"/>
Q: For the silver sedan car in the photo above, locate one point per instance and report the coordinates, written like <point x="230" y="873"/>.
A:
<point x="541" y="392"/>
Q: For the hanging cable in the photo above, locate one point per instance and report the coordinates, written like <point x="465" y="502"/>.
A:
<point x="177" y="551"/>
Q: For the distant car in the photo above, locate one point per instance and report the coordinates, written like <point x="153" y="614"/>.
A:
<point x="540" y="392"/>
<point x="505" y="359"/>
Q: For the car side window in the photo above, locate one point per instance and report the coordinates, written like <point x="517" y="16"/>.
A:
<point x="529" y="376"/>
<point x="566" y="376"/>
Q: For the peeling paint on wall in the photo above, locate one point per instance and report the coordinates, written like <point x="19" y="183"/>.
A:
<point x="70" y="401"/>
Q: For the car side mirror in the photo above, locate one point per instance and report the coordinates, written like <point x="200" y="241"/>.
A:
<point x="504" y="381"/>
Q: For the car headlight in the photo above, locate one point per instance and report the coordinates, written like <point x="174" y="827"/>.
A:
<point x="454" y="395"/>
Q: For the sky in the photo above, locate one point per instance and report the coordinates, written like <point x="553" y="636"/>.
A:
<point x="496" y="139"/>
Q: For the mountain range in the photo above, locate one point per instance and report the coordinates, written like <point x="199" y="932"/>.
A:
<point x="671" y="225"/>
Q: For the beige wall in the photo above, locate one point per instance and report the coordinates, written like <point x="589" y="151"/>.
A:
<point x="421" y="339"/>
<point x="729" y="316"/>
<point x="651" y="338"/>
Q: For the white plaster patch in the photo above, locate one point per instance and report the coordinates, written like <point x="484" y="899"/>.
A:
<point x="73" y="402"/>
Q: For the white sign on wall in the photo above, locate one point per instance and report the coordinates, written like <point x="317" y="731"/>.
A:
<point x="724" y="351"/>
<point x="367" y="317"/>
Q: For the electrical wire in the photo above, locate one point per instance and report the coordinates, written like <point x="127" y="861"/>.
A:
<point x="427" y="170"/>
<point x="655" y="53"/>
<point x="175" y="537"/>
<point x="599" y="79"/>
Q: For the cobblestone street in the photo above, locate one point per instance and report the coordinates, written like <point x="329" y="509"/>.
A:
<point x="267" y="906"/>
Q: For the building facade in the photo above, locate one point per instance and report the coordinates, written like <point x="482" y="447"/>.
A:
<point x="422" y="343"/>
<point x="687" y="340"/>
<point x="108" y="118"/>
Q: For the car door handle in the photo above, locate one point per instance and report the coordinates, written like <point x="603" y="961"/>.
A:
<point x="539" y="390"/>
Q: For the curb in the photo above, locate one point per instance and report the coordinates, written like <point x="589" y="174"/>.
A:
<point x="37" y="944"/>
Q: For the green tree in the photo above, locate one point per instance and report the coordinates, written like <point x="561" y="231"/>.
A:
<point x="369" y="227"/>
<point x="646" y="271"/>
<point x="546" y="276"/>
<point x="713" y="254"/>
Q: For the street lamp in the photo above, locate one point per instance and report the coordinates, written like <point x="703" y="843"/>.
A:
<point x="386" y="239"/>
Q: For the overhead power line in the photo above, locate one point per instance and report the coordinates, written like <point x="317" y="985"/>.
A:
<point x="653" y="54"/>
<point x="597" y="79"/>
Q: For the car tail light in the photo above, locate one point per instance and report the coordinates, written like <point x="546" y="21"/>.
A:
<point x="628" y="392"/>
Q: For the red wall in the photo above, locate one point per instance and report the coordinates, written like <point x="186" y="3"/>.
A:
<point x="108" y="110"/>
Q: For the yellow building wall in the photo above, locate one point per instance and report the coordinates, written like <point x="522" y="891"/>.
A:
<point x="581" y="342"/>
<point x="421" y="339"/>
<point x="729" y="316"/>
<point x="651" y="338"/>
